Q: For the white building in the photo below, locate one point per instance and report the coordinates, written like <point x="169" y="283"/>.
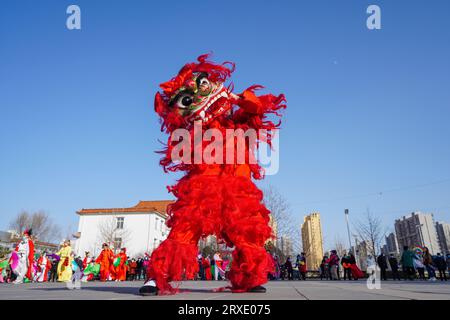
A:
<point x="417" y="230"/>
<point x="139" y="229"/>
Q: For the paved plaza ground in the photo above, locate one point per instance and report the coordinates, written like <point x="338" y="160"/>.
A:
<point x="204" y="290"/>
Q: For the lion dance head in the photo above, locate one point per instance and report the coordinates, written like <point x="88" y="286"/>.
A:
<point x="197" y="92"/>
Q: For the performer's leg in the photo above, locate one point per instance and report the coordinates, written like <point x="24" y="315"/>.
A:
<point x="104" y="273"/>
<point x="175" y="258"/>
<point x="246" y="226"/>
<point x="29" y="273"/>
<point x="191" y="216"/>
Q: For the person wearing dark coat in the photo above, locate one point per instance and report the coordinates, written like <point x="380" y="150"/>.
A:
<point x="394" y="267"/>
<point x="139" y="266"/>
<point x="407" y="261"/>
<point x="53" y="271"/>
<point x="289" y="268"/>
<point x="79" y="262"/>
<point x="441" y="265"/>
<point x="448" y="261"/>
<point x="324" y="268"/>
<point x="201" y="270"/>
<point x="345" y="262"/>
<point x="382" y="263"/>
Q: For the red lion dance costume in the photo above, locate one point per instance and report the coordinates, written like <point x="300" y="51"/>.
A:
<point x="215" y="198"/>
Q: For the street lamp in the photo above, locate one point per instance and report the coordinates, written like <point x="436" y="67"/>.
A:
<point x="356" y="253"/>
<point x="348" y="229"/>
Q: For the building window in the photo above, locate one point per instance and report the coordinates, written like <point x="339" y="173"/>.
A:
<point x="120" y="221"/>
<point x="156" y="223"/>
<point x="117" y="243"/>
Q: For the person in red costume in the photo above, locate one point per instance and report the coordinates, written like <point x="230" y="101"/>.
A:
<point x="105" y="259"/>
<point x="213" y="197"/>
<point x="301" y="264"/>
<point x="112" y="270"/>
<point x="207" y="267"/>
<point x="44" y="266"/>
<point x="121" y="267"/>
<point x="87" y="259"/>
<point x="28" y="234"/>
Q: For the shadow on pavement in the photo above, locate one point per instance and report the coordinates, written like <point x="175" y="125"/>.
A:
<point x="128" y="290"/>
<point x="123" y="290"/>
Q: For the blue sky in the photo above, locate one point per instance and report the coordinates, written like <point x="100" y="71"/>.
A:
<point x="368" y="110"/>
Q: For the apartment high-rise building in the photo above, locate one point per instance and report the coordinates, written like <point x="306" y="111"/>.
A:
<point x="312" y="240"/>
<point x="417" y="230"/>
<point x="443" y="233"/>
<point x="392" y="244"/>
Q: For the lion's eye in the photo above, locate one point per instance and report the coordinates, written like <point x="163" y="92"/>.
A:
<point x="204" y="82"/>
<point x="202" y="79"/>
<point x="204" y="85"/>
<point x="185" y="100"/>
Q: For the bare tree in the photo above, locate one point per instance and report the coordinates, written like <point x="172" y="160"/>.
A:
<point x="110" y="233"/>
<point x="43" y="227"/>
<point x="339" y="246"/>
<point x="370" y="230"/>
<point x="20" y="222"/>
<point x="70" y="233"/>
<point x="282" y="218"/>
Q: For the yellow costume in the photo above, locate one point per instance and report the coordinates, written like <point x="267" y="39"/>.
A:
<point x="65" y="268"/>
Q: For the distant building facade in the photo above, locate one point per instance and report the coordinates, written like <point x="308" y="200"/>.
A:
<point x="209" y="241"/>
<point x="312" y="240"/>
<point x="443" y="233"/>
<point x="417" y="230"/>
<point x="391" y="246"/>
<point x="140" y="228"/>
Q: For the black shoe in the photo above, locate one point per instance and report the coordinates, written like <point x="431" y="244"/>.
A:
<point x="149" y="289"/>
<point x="258" y="289"/>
